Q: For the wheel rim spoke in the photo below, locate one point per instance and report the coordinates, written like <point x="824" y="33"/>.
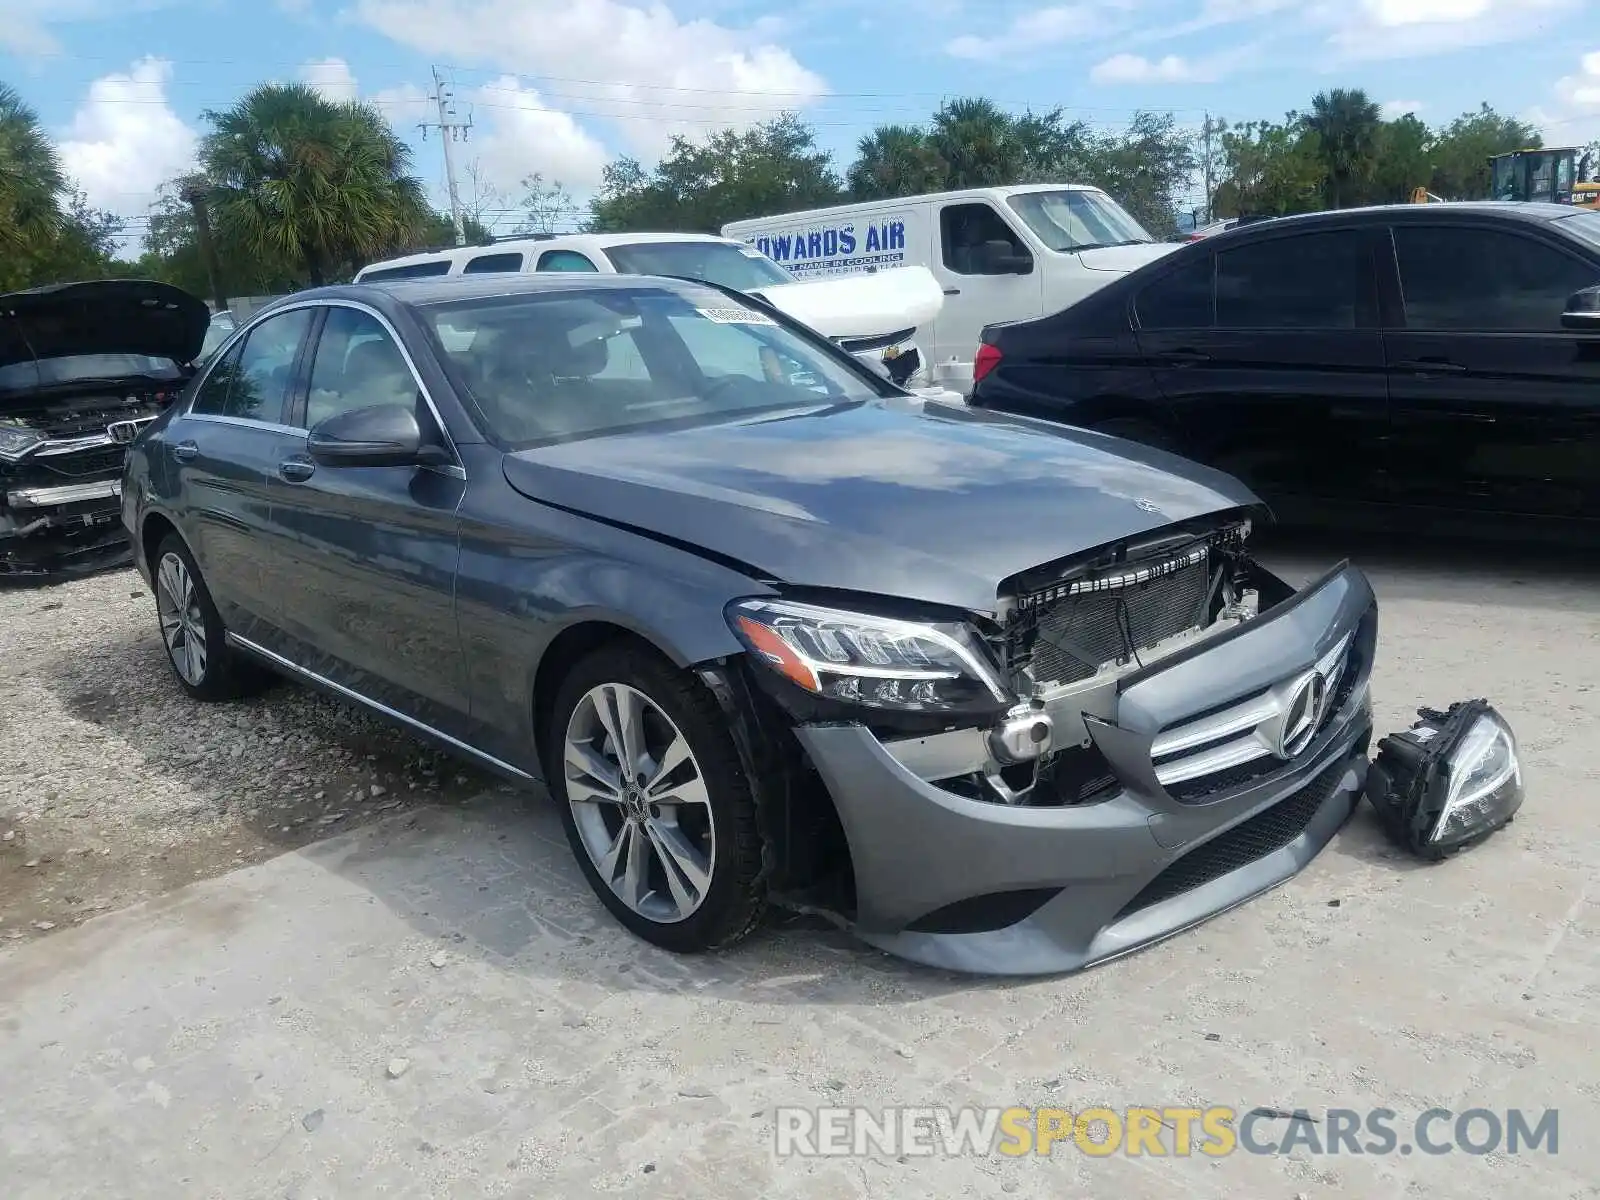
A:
<point x="639" y="803"/>
<point x="183" y="625"/>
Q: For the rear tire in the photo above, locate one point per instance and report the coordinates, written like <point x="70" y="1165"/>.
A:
<point x="192" y="631"/>
<point x="669" y="845"/>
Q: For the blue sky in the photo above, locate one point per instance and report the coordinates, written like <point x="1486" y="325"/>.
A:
<point x="560" y="86"/>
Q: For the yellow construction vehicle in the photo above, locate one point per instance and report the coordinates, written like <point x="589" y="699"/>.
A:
<point x="1547" y="174"/>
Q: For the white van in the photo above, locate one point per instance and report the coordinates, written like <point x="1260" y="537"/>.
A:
<point x="875" y="318"/>
<point x="999" y="254"/>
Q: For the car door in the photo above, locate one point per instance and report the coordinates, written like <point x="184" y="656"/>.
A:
<point x="362" y="560"/>
<point x="1269" y="355"/>
<point x="977" y="290"/>
<point x="223" y="448"/>
<point x="1495" y="404"/>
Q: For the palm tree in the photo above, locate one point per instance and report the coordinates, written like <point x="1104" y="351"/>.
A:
<point x="1346" y="122"/>
<point x="895" y="160"/>
<point x="296" y="176"/>
<point x="31" y="181"/>
<point x="978" y="140"/>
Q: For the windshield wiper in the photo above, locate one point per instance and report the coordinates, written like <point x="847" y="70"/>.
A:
<point x="1112" y="245"/>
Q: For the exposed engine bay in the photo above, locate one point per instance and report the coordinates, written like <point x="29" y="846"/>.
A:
<point x="60" y="477"/>
<point x="84" y="367"/>
<point x="1068" y="634"/>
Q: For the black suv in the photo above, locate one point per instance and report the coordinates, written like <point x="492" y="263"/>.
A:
<point x="83" y="367"/>
<point x="1433" y="358"/>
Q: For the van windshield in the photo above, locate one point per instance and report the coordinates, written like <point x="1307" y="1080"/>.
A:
<point x="1078" y="220"/>
<point x="739" y="267"/>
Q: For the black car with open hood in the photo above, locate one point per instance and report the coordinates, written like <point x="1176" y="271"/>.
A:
<point x="83" y="367"/>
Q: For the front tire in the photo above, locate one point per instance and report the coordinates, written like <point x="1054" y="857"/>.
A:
<point x="655" y="801"/>
<point x="192" y="631"/>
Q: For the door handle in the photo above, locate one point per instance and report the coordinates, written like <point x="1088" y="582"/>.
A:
<point x="1430" y="366"/>
<point x="296" y="470"/>
<point x="952" y="291"/>
<point x="185" y="451"/>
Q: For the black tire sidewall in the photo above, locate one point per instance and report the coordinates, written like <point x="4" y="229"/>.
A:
<point x="735" y="899"/>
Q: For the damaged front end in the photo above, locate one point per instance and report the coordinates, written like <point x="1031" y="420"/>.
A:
<point x="1172" y="729"/>
<point x="61" y="482"/>
<point x="84" y="367"/>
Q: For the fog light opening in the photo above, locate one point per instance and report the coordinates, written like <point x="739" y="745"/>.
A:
<point x="1449" y="781"/>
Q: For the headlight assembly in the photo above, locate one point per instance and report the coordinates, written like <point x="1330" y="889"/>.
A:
<point x="876" y="662"/>
<point x="1449" y="781"/>
<point x="16" y="441"/>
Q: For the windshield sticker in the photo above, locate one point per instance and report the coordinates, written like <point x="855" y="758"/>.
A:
<point x="735" y="316"/>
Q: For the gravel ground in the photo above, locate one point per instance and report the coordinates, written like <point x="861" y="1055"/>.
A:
<point x="114" y="786"/>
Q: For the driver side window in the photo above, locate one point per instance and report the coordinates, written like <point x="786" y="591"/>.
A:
<point x="357" y="365"/>
<point x="966" y="233"/>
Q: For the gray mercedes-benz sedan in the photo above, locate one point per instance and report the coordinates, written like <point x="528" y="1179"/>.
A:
<point x="997" y="695"/>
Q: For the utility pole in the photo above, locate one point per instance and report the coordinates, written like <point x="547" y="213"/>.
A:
<point x="449" y="126"/>
<point x="1206" y="163"/>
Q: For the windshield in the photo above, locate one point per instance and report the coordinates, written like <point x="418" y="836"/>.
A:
<point x="739" y="267"/>
<point x="566" y="364"/>
<point x="1078" y="220"/>
<point x="81" y="368"/>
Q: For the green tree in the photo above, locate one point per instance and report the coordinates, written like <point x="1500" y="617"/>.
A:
<point x="1347" y="123"/>
<point x="1146" y="166"/>
<point x="439" y="230"/>
<point x="978" y="142"/>
<point x="548" y="207"/>
<point x="171" y="253"/>
<point x="31" y="182"/>
<point x="774" y="167"/>
<point x="295" y="176"/>
<point x="82" y="245"/>
<point x="1271" y="168"/>
<point x="895" y="160"/>
<point x="1403" y="160"/>
<point x="1461" y="151"/>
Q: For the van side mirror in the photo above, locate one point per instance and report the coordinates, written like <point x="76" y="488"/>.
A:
<point x="1583" y="311"/>
<point x="1000" y="257"/>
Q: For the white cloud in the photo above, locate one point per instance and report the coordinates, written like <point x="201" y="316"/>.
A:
<point x="1394" y="109"/>
<point x="642" y="68"/>
<point x="1135" y="68"/>
<point x="1038" y="29"/>
<point x="1574" y="118"/>
<point x="332" y="77"/>
<point x="25" y="25"/>
<point x="125" y="141"/>
<point x="524" y="135"/>
<point x="1388" y="29"/>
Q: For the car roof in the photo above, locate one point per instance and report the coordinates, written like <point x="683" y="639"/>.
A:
<point x="443" y="289"/>
<point x="588" y="242"/>
<point x="1526" y="212"/>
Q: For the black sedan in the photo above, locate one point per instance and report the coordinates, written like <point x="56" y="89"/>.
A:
<point x="1438" y="361"/>
<point x="997" y="695"/>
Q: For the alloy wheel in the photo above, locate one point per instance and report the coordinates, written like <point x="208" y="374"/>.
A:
<point x="183" y="626"/>
<point x="639" y="802"/>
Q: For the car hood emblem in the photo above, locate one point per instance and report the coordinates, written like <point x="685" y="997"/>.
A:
<point x="1302" y="716"/>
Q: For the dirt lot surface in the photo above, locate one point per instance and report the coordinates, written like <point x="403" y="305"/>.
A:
<point x="409" y="993"/>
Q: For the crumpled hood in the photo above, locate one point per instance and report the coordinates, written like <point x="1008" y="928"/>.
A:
<point x="860" y="306"/>
<point x="1123" y="259"/>
<point x="104" y="316"/>
<point x="896" y="497"/>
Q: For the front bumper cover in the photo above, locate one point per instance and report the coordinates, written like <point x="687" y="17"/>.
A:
<point x="61" y="531"/>
<point x="1097" y="881"/>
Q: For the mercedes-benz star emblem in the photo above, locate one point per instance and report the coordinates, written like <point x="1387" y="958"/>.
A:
<point x="1303" y="716"/>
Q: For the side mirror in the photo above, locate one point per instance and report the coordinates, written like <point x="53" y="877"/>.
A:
<point x="1583" y="311"/>
<point x="999" y="257"/>
<point x="386" y="435"/>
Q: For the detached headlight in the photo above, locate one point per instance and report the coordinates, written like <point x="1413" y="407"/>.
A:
<point x="1449" y="781"/>
<point x="877" y="662"/>
<point x="16" y="441"/>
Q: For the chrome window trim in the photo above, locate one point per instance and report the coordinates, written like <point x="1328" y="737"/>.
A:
<point x="351" y="694"/>
<point x="323" y="302"/>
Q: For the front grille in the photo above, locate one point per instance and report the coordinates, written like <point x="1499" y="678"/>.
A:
<point x="1070" y="637"/>
<point x="1242" y="845"/>
<point x="84" y="463"/>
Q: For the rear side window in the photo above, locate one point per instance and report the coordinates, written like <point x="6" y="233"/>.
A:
<point x="486" y="263"/>
<point x="253" y="383"/>
<point x="565" y="260"/>
<point x="1309" y="281"/>
<point x="1180" y="299"/>
<point x="1485" y="280"/>
<point x="409" y="271"/>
